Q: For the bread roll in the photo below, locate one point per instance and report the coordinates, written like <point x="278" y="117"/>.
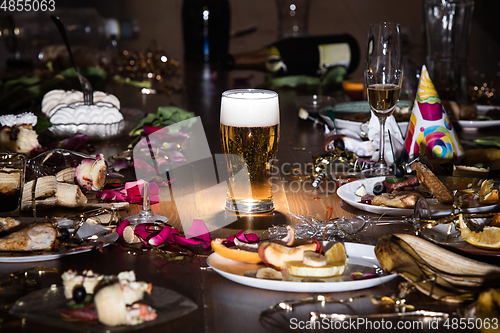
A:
<point x="110" y="306"/>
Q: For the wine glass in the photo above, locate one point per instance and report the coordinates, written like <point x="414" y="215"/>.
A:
<point x="383" y="78"/>
<point x="146" y="215"/>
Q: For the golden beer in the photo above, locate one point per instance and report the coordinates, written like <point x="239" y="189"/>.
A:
<point x="249" y="136"/>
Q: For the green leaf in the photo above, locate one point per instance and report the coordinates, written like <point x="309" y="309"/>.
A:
<point x="42" y="124"/>
<point x="333" y="79"/>
<point x="490" y="141"/>
<point x="293" y="81"/>
<point x="165" y="116"/>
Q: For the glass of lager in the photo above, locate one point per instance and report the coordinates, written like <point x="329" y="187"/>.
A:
<point x="249" y="133"/>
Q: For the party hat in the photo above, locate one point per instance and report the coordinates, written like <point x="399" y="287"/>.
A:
<point x="430" y="134"/>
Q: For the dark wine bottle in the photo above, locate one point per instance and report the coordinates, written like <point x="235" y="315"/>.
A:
<point x="306" y="55"/>
<point x="206" y="25"/>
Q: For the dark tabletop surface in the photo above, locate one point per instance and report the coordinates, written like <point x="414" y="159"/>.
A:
<point x="223" y="305"/>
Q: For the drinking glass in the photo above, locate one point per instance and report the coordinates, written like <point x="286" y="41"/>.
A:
<point x="12" y="170"/>
<point x="249" y="134"/>
<point x="448" y="27"/>
<point x="146" y="215"/>
<point x="383" y="78"/>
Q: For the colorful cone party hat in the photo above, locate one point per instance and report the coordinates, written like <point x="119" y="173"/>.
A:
<point x="430" y="133"/>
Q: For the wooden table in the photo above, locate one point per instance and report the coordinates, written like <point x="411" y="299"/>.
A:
<point x="223" y="306"/>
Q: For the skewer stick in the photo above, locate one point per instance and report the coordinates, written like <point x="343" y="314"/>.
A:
<point x="329" y="212"/>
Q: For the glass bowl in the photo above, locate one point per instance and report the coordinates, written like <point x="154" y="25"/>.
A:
<point x="313" y="103"/>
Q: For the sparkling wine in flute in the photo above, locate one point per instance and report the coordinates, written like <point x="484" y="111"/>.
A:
<point x="383" y="98"/>
<point x="383" y="78"/>
<point x="249" y="137"/>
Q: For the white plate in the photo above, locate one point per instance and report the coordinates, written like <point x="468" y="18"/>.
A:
<point x="45" y="306"/>
<point x="346" y="193"/>
<point x="361" y="259"/>
<point x="16" y="257"/>
<point x="475" y="124"/>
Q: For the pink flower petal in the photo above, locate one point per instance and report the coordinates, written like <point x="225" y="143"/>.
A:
<point x="151" y="129"/>
<point x="119" y="229"/>
<point x="111" y="195"/>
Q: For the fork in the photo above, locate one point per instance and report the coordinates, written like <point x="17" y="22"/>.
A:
<point x="88" y="92"/>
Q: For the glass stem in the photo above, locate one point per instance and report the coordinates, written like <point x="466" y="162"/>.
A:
<point x="381" y="159"/>
<point x="146" y="208"/>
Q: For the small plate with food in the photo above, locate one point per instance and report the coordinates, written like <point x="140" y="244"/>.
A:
<point x="397" y="196"/>
<point x="37" y="239"/>
<point x="102" y="303"/>
<point x="301" y="268"/>
<point x="470" y="117"/>
<point x="474" y="235"/>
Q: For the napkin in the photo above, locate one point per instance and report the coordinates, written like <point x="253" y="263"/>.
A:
<point x="397" y="138"/>
<point x="352" y="141"/>
<point x="430" y="134"/>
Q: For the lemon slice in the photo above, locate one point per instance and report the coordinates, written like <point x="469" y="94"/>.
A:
<point x="488" y="195"/>
<point x="336" y="255"/>
<point x="488" y="239"/>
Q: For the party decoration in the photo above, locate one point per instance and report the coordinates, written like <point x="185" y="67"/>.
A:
<point x="430" y="134"/>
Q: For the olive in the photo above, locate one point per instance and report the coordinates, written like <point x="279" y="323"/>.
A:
<point x="400" y="171"/>
<point x="378" y="189"/>
<point x="74" y="241"/>
<point x="339" y="143"/>
<point x="64" y="234"/>
<point x="79" y="294"/>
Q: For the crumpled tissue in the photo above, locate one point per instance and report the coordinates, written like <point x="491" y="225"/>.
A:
<point x="352" y="142"/>
<point x="396" y="136"/>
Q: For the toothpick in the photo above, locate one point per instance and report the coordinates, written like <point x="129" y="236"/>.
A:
<point x="329" y="212"/>
<point x="392" y="148"/>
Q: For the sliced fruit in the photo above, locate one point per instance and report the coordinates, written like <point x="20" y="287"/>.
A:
<point x="235" y="254"/>
<point x="495" y="220"/>
<point x="336" y="254"/>
<point x="298" y="268"/>
<point x="289" y="239"/>
<point x="314" y="259"/>
<point x="487" y="194"/>
<point x="275" y="255"/>
<point x="269" y="274"/>
<point x="464" y="228"/>
<point x="488" y="239"/>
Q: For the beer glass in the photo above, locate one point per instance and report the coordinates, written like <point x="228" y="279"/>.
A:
<point x="249" y="134"/>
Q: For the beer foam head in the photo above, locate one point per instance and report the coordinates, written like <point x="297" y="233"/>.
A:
<point x="249" y="108"/>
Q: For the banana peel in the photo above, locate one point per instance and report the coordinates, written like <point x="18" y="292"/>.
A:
<point x="443" y="280"/>
<point x="487" y="309"/>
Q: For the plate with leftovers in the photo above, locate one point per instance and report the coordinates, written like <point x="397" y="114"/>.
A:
<point x="347" y="193"/>
<point x="482" y="116"/>
<point x="361" y="261"/>
<point x="33" y="239"/>
<point x="449" y="236"/>
<point x="45" y="306"/>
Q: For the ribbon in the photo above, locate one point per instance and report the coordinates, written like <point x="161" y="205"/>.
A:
<point x="152" y="234"/>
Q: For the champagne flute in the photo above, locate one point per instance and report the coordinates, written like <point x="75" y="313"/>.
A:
<point x="383" y="78"/>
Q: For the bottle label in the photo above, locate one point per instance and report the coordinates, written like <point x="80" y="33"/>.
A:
<point x="274" y="62"/>
<point x="331" y="55"/>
